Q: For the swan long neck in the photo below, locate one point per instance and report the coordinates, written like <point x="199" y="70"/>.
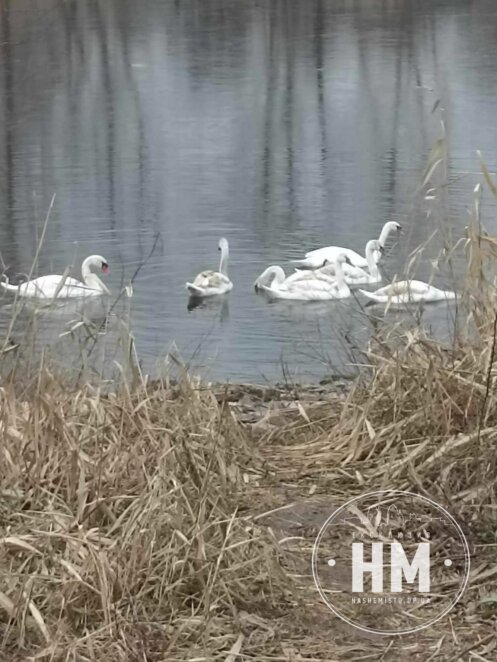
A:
<point x="223" y="263"/>
<point x="372" y="266"/>
<point x="89" y="278"/>
<point x="385" y="232"/>
<point x="85" y="269"/>
<point x="340" y="277"/>
<point x="270" y="275"/>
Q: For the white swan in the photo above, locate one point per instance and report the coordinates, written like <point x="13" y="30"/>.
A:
<point x="356" y="275"/>
<point x="408" y="291"/>
<point x="280" y="278"/>
<point x="304" y="287"/>
<point x="60" y="287"/>
<point x="315" y="259"/>
<point x="209" y="283"/>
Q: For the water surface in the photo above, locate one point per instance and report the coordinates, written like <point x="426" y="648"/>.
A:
<point x="283" y="125"/>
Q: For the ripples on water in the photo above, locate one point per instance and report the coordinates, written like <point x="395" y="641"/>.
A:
<point x="283" y="126"/>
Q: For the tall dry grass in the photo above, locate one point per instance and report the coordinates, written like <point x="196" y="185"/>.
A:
<point x="122" y="535"/>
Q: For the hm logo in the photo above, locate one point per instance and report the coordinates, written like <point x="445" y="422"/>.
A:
<point x="399" y="567"/>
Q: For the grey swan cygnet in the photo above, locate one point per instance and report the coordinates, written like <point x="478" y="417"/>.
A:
<point x="210" y="283"/>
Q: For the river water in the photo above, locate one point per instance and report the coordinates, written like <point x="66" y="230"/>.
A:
<point x="283" y="125"/>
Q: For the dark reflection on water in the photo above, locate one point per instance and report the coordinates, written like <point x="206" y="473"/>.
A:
<point x="283" y="126"/>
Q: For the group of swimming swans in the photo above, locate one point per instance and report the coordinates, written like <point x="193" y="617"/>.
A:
<point x="324" y="274"/>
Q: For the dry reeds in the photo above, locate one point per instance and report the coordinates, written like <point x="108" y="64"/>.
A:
<point x="121" y="532"/>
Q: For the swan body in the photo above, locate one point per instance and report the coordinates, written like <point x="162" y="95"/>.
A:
<point x="356" y="275"/>
<point x="306" y="279"/>
<point x="316" y="259"/>
<point x="304" y="287"/>
<point x="60" y="287"/>
<point x="408" y="291"/>
<point x="210" y="283"/>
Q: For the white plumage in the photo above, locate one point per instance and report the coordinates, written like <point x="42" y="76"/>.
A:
<point x="304" y="286"/>
<point x="408" y="291"/>
<point x="64" y="287"/>
<point x="317" y="258"/>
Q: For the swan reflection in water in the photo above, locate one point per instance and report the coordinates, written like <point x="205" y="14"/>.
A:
<point x="90" y="333"/>
<point x="217" y="306"/>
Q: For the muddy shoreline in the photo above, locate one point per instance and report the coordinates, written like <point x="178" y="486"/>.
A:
<point x="257" y="405"/>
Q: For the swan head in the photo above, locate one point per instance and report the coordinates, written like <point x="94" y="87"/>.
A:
<point x="331" y="263"/>
<point x="375" y="250"/>
<point x="267" y="277"/>
<point x="341" y="258"/>
<point x="264" y="279"/>
<point x="223" y="244"/>
<point x="98" y="262"/>
<point x="388" y="228"/>
<point x="374" y="245"/>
